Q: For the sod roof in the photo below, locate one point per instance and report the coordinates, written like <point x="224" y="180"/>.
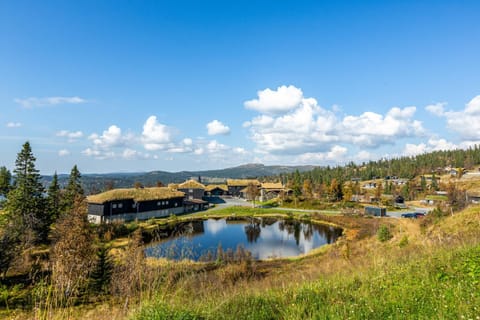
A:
<point x="242" y="182"/>
<point x="272" y="185"/>
<point x="140" y="194"/>
<point x="191" y="184"/>
<point x="211" y="187"/>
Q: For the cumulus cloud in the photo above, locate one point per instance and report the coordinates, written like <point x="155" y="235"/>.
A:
<point x="433" y="144"/>
<point x="70" y="135"/>
<point x="33" y="102"/>
<point x="98" y="154"/>
<point x="156" y="136"/>
<point x="437" y="109"/>
<point x="465" y="122"/>
<point x="110" y="138"/>
<point x="63" y="153"/>
<point x="372" y="129"/>
<point x="131" y="154"/>
<point x="335" y="154"/>
<point x="14" y="125"/>
<point x="308" y="128"/>
<point x="216" y="127"/>
<point x="277" y="101"/>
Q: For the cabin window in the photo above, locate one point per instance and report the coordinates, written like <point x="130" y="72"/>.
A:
<point x="114" y="206"/>
<point x="190" y="190"/>
<point x="176" y="204"/>
<point x="134" y="205"/>
<point x="159" y="203"/>
<point x="120" y="205"/>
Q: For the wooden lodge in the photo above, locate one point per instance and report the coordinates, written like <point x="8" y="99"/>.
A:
<point x="133" y="203"/>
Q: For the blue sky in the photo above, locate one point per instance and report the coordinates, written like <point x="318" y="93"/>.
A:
<point x="193" y="85"/>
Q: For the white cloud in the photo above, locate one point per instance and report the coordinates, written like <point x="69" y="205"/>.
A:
<point x="14" y="125"/>
<point x="363" y="155"/>
<point x="131" y="154"/>
<point x="467" y="121"/>
<point x="433" y="144"/>
<point x="216" y="127"/>
<point x="215" y="147"/>
<point x="277" y="101"/>
<point x="48" y="101"/>
<point x="307" y="128"/>
<point x="372" y="129"/>
<point x="336" y="154"/>
<point x="71" y="135"/>
<point x="110" y="138"/>
<point x="156" y="136"/>
<point x="98" y="154"/>
<point x="437" y="109"/>
<point x="63" y="153"/>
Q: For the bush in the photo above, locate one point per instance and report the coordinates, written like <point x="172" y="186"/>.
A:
<point x="384" y="234"/>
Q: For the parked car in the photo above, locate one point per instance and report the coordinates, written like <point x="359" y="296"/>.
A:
<point x="413" y="215"/>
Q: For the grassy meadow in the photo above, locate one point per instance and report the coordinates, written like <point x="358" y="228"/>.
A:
<point x="424" y="269"/>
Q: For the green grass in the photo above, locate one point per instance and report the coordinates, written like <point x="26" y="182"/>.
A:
<point x="445" y="285"/>
<point x="436" y="197"/>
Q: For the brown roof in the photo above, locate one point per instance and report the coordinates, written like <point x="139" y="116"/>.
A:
<point x="210" y="187"/>
<point x="191" y="184"/>
<point x="242" y="182"/>
<point x="140" y="194"/>
<point x="272" y="185"/>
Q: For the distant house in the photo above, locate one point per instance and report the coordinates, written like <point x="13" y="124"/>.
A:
<point x="216" y="190"/>
<point x="235" y="186"/>
<point x="271" y="190"/>
<point x="131" y="204"/>
<point x="473" y="197"/>
<point x="192" y="189"/>
<point x="400" y="202"/>
<point x="194" y="192"/>
<point x="370" y="185"/>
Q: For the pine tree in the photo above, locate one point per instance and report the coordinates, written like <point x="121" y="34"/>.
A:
<point x="423" y="183"/>
<point x="54" y="199"/>
<point x="434" y="183"/>
<point x="25" y="201"/>
<point x="5" y="181"/>
<point x="102" y="271"/>
<point x="73" y="190"/>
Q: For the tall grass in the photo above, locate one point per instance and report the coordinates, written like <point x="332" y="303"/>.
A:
<point x="444" y="285"/>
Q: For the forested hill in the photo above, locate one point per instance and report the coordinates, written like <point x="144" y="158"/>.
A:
<point x="98" y="182"/>
<point x="403" y="167"/>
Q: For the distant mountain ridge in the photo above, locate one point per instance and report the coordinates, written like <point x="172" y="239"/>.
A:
<point x="97" y="182"/>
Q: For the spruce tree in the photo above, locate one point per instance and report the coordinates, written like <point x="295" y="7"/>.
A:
<point x="5" y="181"/>
<point x="54" y="199"/>
<point x="25" y="202"/>
<point x="102" y="271"/>
<point x="73" y="190"/>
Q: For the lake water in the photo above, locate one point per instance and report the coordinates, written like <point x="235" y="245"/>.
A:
<point x="264" y="238"/>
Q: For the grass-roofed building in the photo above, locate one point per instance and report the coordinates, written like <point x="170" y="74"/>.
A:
<point x="235" y="186"/>
<point x="216" y="190"/>
<point x="194" y="192"/>
<point x="135" y="203"/>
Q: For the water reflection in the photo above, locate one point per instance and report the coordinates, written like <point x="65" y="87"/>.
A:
<point x="263" y="238"/>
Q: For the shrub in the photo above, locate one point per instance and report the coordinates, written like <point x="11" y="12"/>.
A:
<point x="403" y="242"/>
<point x="384" y="234"/>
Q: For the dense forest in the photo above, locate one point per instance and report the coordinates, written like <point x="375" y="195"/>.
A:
<point x="402" y="167"/>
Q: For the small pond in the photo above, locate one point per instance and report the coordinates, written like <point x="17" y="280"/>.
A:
<point x="263" y="237"/>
